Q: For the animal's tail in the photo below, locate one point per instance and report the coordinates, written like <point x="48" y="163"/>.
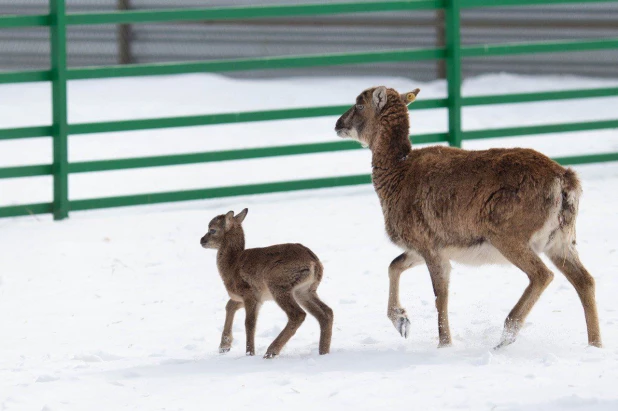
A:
<point x="571" y="191"/>
<point x="318" y="272"/>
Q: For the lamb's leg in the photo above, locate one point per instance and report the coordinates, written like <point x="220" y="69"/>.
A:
<point x="440" y="271"/>
<point x="252" y="308"/>
<point x="296" y="316"/>
<point x="396" y="313"/>
<point x="226" y="338"/>
<point x="540" y="276"/>
<point x="568" y="262"/>
<point x="323" y="313"/>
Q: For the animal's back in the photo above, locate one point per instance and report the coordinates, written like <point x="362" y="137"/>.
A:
<point x="456" y="198"/>
<point x="280" y="264"/>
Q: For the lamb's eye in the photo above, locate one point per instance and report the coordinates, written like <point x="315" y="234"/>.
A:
<point x="212" y="231"/>
<point x="359" y="107"/>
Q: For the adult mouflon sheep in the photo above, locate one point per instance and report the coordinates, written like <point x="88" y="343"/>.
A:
<point x="475" y="207"/>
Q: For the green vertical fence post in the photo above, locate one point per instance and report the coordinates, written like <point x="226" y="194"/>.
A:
<point x="59" y="108"/>
<point x="453" y="71"/>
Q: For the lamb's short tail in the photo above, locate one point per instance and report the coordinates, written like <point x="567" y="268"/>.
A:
<point x="571" y="191"/>
<point x="318" y="272"/>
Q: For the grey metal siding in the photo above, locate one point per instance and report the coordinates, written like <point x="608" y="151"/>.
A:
<point x="97" y="45"/>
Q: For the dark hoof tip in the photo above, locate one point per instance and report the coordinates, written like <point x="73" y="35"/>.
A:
<point x="403" y="326"/>
<point x="503" y="344"/>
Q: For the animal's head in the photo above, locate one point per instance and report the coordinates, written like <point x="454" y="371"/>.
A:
<point x="361" y="122"/>
<point x="220" y="226"/>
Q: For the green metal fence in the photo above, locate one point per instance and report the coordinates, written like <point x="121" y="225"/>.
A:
<point x="57" y="20"/>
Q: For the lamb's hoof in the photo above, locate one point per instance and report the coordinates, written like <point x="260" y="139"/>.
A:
<point x="223" y="350"/>
<point x="270" y="355"/>
<point x="445" y="344"/>
<point x="597" y="344"/>
<point x="249" y="354"/>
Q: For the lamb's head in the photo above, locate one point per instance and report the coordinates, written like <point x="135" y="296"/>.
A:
<point x="362" y="121"/>
<point x="220" y="226"/>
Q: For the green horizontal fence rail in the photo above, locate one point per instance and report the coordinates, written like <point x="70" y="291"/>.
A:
<point x="57" y="21"/>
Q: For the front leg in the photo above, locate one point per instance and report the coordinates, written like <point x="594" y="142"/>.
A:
<point x="396" y="313"/>
<point x="440" y="270"/>
<point x="252" y="308"/>
<point x="226" y="338"/>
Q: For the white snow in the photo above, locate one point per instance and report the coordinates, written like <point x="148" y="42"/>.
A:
<point x="122" y="309"/>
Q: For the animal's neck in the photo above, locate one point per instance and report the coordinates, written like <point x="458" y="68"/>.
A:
<point x="232" y="247"/>
<point x="392" y="145"/>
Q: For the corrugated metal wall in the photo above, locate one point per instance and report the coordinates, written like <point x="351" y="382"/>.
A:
<point x="98" y="45"/>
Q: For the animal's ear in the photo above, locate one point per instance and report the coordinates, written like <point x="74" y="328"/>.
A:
<point x="240" y="217"/>
<point x="229" y="217"/>
<point x="379" y="98"/>
<point x="410" y="97"/>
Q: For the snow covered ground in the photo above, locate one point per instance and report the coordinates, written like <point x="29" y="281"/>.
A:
<point x="122" y="309"/>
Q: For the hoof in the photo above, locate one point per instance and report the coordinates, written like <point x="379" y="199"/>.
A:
<point x="400" y="321"/>
<point x="509" y="335"/>
<point x="270" y="355"/>
<point x="402" y="324"/>
<point x="445" y="344"/>
<point x="501" y="345"/>
<point x="249" y="354"/>
<point x="597" y="344"/>
<point x="223" y="350"/>
<point x="504" y="343"/>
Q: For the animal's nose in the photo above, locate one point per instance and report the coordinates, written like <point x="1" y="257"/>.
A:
<point x="339" y="124"/>
<point x="203" y="240"/>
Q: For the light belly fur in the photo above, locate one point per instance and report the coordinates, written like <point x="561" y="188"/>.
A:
<point x="486" y="253"/>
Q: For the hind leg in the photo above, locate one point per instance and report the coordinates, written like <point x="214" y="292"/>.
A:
<point x="396" y="313"/>
<point x="567" y="261"/>
<point x="296" y="316"/>
<point x="522" y="256"/>
<point x="323" y="313"/>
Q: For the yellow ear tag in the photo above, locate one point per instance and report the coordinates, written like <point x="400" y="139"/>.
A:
<point x="410" y="97"/>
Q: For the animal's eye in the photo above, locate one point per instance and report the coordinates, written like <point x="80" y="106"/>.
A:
<point x="212" y="231"/>
<point x="359" y="107"/>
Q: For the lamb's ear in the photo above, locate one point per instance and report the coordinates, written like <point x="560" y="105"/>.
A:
<point x="228" y="219"/>
<point x="379" y="98"/>
<point x="240" y="217"/>
<point x="410" y="97"/>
